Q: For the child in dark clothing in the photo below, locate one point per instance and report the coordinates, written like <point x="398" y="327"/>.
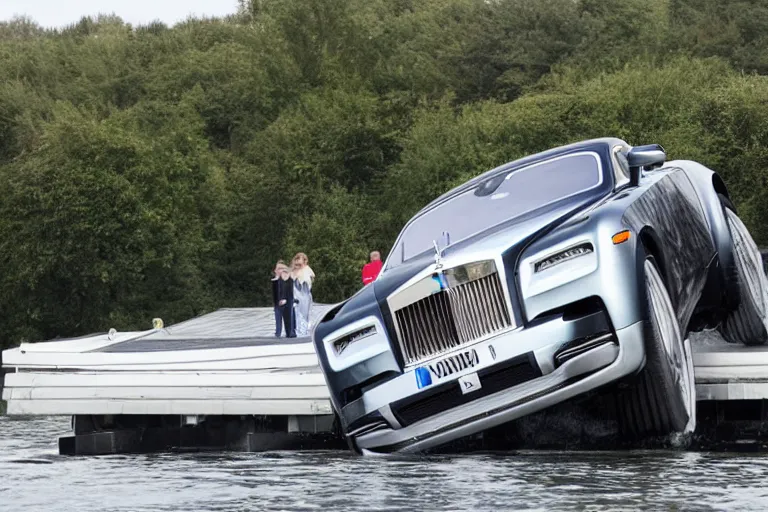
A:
<point x="282" y="297"/>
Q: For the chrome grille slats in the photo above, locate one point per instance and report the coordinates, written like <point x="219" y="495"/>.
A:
<point x="474" y="312"/>
<point x="496" y="293"/>
<point x="421" y="330"/>
<point x="502" y="306"/>
<point x="428" y="328"/>
<point x="499" y="310"/>
<point x="460" y="316"/>
<point x="479" y="299"/>
<point x="456" y="315"/>
<point x="470" y="307"/>
<point x="444" y="331"/>
<point x="494" y="312"/>
<point x="410" y="328"/>
<point x="416" y="332"/>
<point x="474" y="306"/>
<point x="490" y="315"/>
<point x="451" y="318"/>
<point x="431" y="340"/>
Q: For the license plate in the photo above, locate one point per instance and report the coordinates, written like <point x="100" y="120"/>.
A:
<point x="454" y="364"/>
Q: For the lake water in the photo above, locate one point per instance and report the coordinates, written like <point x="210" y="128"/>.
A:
<point x="36" y="479"/>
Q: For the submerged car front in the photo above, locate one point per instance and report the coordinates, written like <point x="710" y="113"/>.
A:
<point x="496" y="301"/>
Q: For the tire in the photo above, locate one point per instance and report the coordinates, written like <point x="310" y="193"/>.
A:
<point x="661" y="400"/>
<point x="746" y="324"/>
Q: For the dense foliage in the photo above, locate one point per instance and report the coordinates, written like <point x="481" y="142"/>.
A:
<point x="155" y="171"/>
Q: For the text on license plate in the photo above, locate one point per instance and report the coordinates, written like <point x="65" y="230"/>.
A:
<point x="446" y="367"/>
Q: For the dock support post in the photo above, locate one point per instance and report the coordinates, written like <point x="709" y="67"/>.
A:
<point x="101" y="443"/>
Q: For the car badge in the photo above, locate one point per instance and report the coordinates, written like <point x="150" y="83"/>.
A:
<point x="438" y="257"/>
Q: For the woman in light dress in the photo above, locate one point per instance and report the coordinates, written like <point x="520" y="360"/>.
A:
<point x="302" y="292"/>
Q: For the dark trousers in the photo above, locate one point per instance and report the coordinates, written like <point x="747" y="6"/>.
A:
<point x="278" y="321"/>
<point x="284" y="316"/>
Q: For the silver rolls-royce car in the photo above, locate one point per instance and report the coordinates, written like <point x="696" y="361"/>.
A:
<point x="538" y="281"/>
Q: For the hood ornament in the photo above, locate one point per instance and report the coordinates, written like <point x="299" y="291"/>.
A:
<point x="438" y="256"/>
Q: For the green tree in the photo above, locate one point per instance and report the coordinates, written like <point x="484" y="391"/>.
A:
<point x="160" y="170"/>
<point x="91" y="232"/>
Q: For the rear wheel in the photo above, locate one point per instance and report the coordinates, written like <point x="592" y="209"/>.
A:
<point x="661" y="401"/>
<point x="747" y="324"/>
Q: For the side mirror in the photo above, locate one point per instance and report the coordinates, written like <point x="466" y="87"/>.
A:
<point x="640" y="157"/>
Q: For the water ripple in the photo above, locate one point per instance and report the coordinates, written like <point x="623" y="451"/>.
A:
<point x="36" y="478"/>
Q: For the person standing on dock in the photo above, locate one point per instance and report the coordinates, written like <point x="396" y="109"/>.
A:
<point x="302" y="292"/>
<point x="371" y="270"/>
<point x="282" y="296"/>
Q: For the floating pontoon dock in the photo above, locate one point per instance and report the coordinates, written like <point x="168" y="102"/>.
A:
<point x="223" y="365"/>
<point x="223" y="381"/>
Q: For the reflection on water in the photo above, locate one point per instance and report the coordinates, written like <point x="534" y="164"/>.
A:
<point x="35" y="478"/>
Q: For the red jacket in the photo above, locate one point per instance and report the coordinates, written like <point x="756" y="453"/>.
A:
<point x="371" y="271"/>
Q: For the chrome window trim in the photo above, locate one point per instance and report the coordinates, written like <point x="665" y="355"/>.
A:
<point x="593" y="154"/>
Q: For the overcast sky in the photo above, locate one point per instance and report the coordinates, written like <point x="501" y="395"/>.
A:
<point x="59" y="13"/>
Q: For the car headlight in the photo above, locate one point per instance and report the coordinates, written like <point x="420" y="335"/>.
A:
<point x="556" y="266"/>
<point x="562" y="257"/>
<point x="356" y="342"/>
<point x="340" y="344"/>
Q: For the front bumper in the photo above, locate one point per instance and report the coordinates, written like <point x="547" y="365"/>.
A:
<point x="397" y="416"/>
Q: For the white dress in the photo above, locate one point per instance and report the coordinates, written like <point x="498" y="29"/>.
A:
<point x="302" y="292"/>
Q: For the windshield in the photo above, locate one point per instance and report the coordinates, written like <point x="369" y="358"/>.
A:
<point x="498" y="200"/>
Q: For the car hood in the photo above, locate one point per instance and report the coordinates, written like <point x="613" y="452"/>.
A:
<point x="507" y="239"/>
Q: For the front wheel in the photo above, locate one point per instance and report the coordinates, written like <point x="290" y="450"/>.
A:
<point x="662" y="399"/>
<point x="746" y="324"/>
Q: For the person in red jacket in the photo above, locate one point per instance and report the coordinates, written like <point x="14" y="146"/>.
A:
<point x="371" y="270"/>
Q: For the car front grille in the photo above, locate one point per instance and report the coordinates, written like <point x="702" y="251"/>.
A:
<point x="451" y="318"/>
